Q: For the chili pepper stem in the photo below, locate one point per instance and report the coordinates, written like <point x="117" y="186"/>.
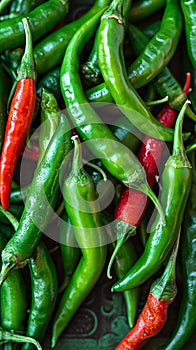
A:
<point x="12" y="337"/>
<point x="127" y="230"/>
<point x="165" y="287"/>
<point x="145" y="188"/>
<point x="27" y="66"/>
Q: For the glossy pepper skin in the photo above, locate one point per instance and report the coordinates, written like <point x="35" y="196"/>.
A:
<point x="70" y="252"/>
<point x="50" y="51"/>
<point x="161" y="47"/>
<point x="154" y="314"/>
<point x="189" y="13"/>
<point x="44" y="189"/>
<point x="144" y="8"/>
<point x="42" y="19"/>
<point x="176" y="184"/>
<point x="84" y="213"/>
<point x="44" y="290"/>
<point x="19" y="118"/>
<point x="110" y="49"/>
<point x="19" y="7"/>
<point x="186" y="321"/>
<point x="116" y="158"/>
<point x="13" y="303"/>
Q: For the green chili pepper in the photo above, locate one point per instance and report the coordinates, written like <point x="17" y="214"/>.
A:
<point x="165" y="83"/>
<point x="186" y="321"/>
<point x="110" y="49"/>
<point x="50" y="81"/>
<point x="189" y="12"/>
<point x="40" y="200"/>
<point x="161" y="47"/>
<point x="117" y="159"/>
<point x="142" y="9"/>
<point x="42" y="19"/>
<point x="50" y="51"/>
<point x="188" y="67"/>
<point x="70" y="252"/>
<point x="13" y="303"/>
<point x="44" y="289"/>
<point x="84" y="213"/>
<point x="176" y="184"/>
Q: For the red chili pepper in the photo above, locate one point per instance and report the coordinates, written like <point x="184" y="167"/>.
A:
<point x="19" y="118"/>
<point x="154" y="314"/>
<point x="133" y="203"/>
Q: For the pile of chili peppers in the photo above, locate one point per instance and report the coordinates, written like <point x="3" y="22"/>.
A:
<point x="97" y="165"/>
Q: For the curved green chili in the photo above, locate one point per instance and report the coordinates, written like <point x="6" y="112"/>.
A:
<point x="40" y="200"/>
<point x="165" y="83"/>
<point x="189" y="12"/>
<point x="78" y="188"/>
<point x="160" y="48"/>
<point x="116" y="158"/>
<point x="70" y="252"/>
<point x="13" y="302"/>
<point x="110" y="49"/>
<point x="44" y="290"/>
<point x="176" y="184"/>
<point x="42" y="19"/>
<point x="186" y="321"/>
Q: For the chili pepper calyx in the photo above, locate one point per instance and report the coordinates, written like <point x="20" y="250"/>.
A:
<point x="10" y="263"/>
<point x="165" y="288"/>
<point x="126" y="230"/>
<point x="179" y="158"/>
<point x="115" y="11"/>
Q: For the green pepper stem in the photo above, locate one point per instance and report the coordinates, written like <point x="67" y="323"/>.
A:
<point x="148" y="191"/>
<point x="115" y="10"/>
<point x="94" y="166"/>
<point x="126" y="230"/>
<point x="27" y="66"/>
<point x="7" y="336"/>
<point x="164" y="288"/>
<point x="178" y="145"/>
<point x="77" y="162"/>
<point x="157" y="102"/>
